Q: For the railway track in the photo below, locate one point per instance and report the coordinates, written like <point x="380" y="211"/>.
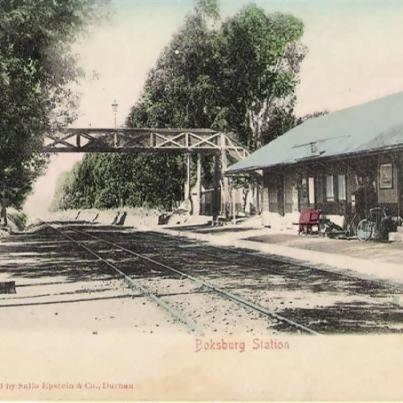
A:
<point x="197" y="280"/>
<point x="349" y="302"/>
<point x="133" y="285"/>
<point x="273" y="259"/>
<point x="201" y="250"/>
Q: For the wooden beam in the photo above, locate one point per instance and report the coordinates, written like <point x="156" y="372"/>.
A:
<point x="225" y="181"/>
<point x="187" y="195"/>
<point x="216" y="187"/>
<point x="197" y="207"/>
<point x="143" y="140"/>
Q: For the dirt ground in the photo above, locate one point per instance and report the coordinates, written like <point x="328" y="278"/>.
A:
<point x="389" y="252"/>
<point x="75" y="330"/>
<point x="61" y="286"/>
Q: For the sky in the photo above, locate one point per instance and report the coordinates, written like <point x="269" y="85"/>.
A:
<point x="354" y="55"/>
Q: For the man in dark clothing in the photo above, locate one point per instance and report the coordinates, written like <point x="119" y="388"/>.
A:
<point x="365" y="197"/>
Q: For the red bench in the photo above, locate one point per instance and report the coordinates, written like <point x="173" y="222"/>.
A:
<point x="307" y="220"/>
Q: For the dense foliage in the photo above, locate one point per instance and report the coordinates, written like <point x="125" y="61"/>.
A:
<point x="114" y="180"/>
<point x="238" y="76"/>
<point x="36" y="68"/>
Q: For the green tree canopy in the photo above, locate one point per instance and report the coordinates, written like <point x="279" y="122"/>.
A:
<point x="36" y="68"/>
<point x="111" y="181"/>
<point x="238" y="76"/>
<point x="260" y="56"/>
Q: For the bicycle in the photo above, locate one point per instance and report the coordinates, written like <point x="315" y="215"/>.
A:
<point x="377" y="225"/>
<point x="351" y="230"/>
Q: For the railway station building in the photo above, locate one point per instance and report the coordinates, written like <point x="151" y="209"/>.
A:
<point x="343" y="162"/>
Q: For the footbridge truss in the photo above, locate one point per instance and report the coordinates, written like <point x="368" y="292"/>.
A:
<point x="221" y="146"/>
<point x="92" y="140"/>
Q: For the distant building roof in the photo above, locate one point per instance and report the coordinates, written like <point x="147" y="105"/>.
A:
<point x="375" y="125"/>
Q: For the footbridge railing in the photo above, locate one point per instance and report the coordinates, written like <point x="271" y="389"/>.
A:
<point x="89" y="140"/>
<point x="221" y="146"/>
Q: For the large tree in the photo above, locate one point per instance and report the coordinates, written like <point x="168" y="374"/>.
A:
<point x="36" y="68"/>
<point x="182" y="86"/>
<point x="260" y="59"/>
<point x="238" y="76"/>
<point x="113" y="181"/>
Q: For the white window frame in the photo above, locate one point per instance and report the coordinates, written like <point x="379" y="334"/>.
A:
<point x="330" y="188"/>
<point x="342" y="187"/>
<point x="311" y="190"/>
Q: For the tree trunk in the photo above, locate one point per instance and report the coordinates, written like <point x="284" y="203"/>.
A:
<point x="3" y="216"/>
<point x="256" y="124"/>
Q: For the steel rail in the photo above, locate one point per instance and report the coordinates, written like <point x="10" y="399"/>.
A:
<point x="133" y="285"/>
<point x="383" y="283"/>
<point x="206" y="284"/>
<point x="282" y="260"/>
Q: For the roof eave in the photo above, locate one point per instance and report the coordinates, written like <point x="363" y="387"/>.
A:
<point x="372" y="151"/>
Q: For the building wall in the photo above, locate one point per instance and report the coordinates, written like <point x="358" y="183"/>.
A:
<point x="388" y="195"/>
<point x="337" y="198"/>
<point x="271" y="188"/>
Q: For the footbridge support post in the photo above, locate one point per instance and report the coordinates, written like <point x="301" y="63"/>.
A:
<point x="197" y="207"/>
<point x="216" y="187"/>
<point x="225" y="188"/>
<point x="187" y="189"/>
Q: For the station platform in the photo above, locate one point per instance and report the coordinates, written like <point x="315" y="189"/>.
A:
<point x="366" y="260"/>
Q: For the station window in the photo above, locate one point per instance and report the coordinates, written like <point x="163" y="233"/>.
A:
<point x="311" y="189"/>
<point x="329" y="188"/>
<point x="341" y="187"/>
<point x="304" y="189"/>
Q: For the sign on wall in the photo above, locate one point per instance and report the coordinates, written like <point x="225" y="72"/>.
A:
<point x="386" y="176"/>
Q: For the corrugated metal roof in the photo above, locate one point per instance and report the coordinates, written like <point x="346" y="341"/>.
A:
<point x="375" y="125"/>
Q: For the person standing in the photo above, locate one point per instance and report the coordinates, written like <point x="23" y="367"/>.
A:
<point x="365" y="196"/>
